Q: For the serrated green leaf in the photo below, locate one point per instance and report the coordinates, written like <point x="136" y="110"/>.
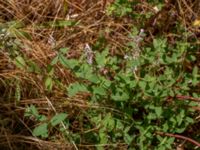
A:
<point x="180" y="130"/>
<point x="106" y="83"/>
<point x="119" y="125"/>
<point x="180" y="117"/>
<point x="55" y="60"/>
<point x="92" y="78"/>
<point x="75" y="88"/>
<point x="63" y="50"/>
<point x="128" y="139"/>
<point x="41" y="130"/>
<point x="68" y="63"/>
<point x="84" y="71"/>
<point x="63" y="61"/>
<point x="99" y="91"/>
<point x="165" y="127"/>
<point x="57" y="119"/>
<point x="108" y="122"/>
<point x="159" y="44"/>
<point x="20" y="62"/>
<point x="169" y="142"/>
<point x="33" y="67"/>
<point x="42" y="118"/>
<point x="158" y="111"/>
<point x="142" y="85"/>
<point x="120" y="96"/>
<point x="195" y="71"/>
<point x="103" y="138"/>
<point x="49" y="83"/>
<point x="101" y="59"/>
<point x="151" y="116"/>
<point x="32" y="110"/>
<point x="190" y="120"/>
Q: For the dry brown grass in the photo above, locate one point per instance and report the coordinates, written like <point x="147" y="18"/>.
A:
<point x="15" y="129"/>
<point x="15" y="132"/>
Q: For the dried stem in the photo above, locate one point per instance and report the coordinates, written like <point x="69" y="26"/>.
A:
<point x="179" y="137"/>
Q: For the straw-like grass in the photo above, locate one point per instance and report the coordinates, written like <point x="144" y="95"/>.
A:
<point x="38" y="20"/>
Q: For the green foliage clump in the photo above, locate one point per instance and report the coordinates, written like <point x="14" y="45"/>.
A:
<point x="142" y="94"/>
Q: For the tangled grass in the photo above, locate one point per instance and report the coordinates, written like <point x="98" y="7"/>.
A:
<point x="39" y="28"/>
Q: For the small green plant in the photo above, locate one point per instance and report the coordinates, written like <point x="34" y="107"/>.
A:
<point x="120" y="8"/>
<point x="146" y="97"/>
<point x="42" y="129"/>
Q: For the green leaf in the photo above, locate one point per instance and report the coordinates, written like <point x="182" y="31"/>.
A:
<point x="109" y="122"/>
<point x="73" y="63"/>
<point x="68" y="63"/>
<point x="92" y="78"/>
<point x="158" y="111"/>
<point x="119" y="125"/>
<point x="63" y="60"/>
<point x="64" y="50"/>
<point x="180" y="117"/>
<point x="142" y="85"/>
<point x="21" y="34"/>
<point x="75" y="88"/>
<point x="20" y="62"/>
<point x="120" y="96"/>
<point x="86" y="72"/>
<point x="42" y="118"/>
<point x="32" y="110"/>
<point x="41" y="130"/>
<point x="189" y="120"/>
<point x="103" y="137"/>
<point x="55" y="60"/>
<point x="99" y="91"/>
<point x="180" y="130"/>
<point x="159" y="44"/>
<point x="195" y="81"/>
<point x="195" y="76"/>
<point x="33" y="67"/>
<point x="57" y="119"/>
<point x="97" y="119"/>
<point x="50" y="70"/>
<point x="15" y="24"/>
<point x="151" y="116"/>
<point x="49" y="83"/>
<point x="165" y="127"/>
<point x="62" y="23"/>
<point x="106" y="83"/>
<point x="170" y="142"/>
<point x="101" y="59"/>
<point x="128" y="139"/>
